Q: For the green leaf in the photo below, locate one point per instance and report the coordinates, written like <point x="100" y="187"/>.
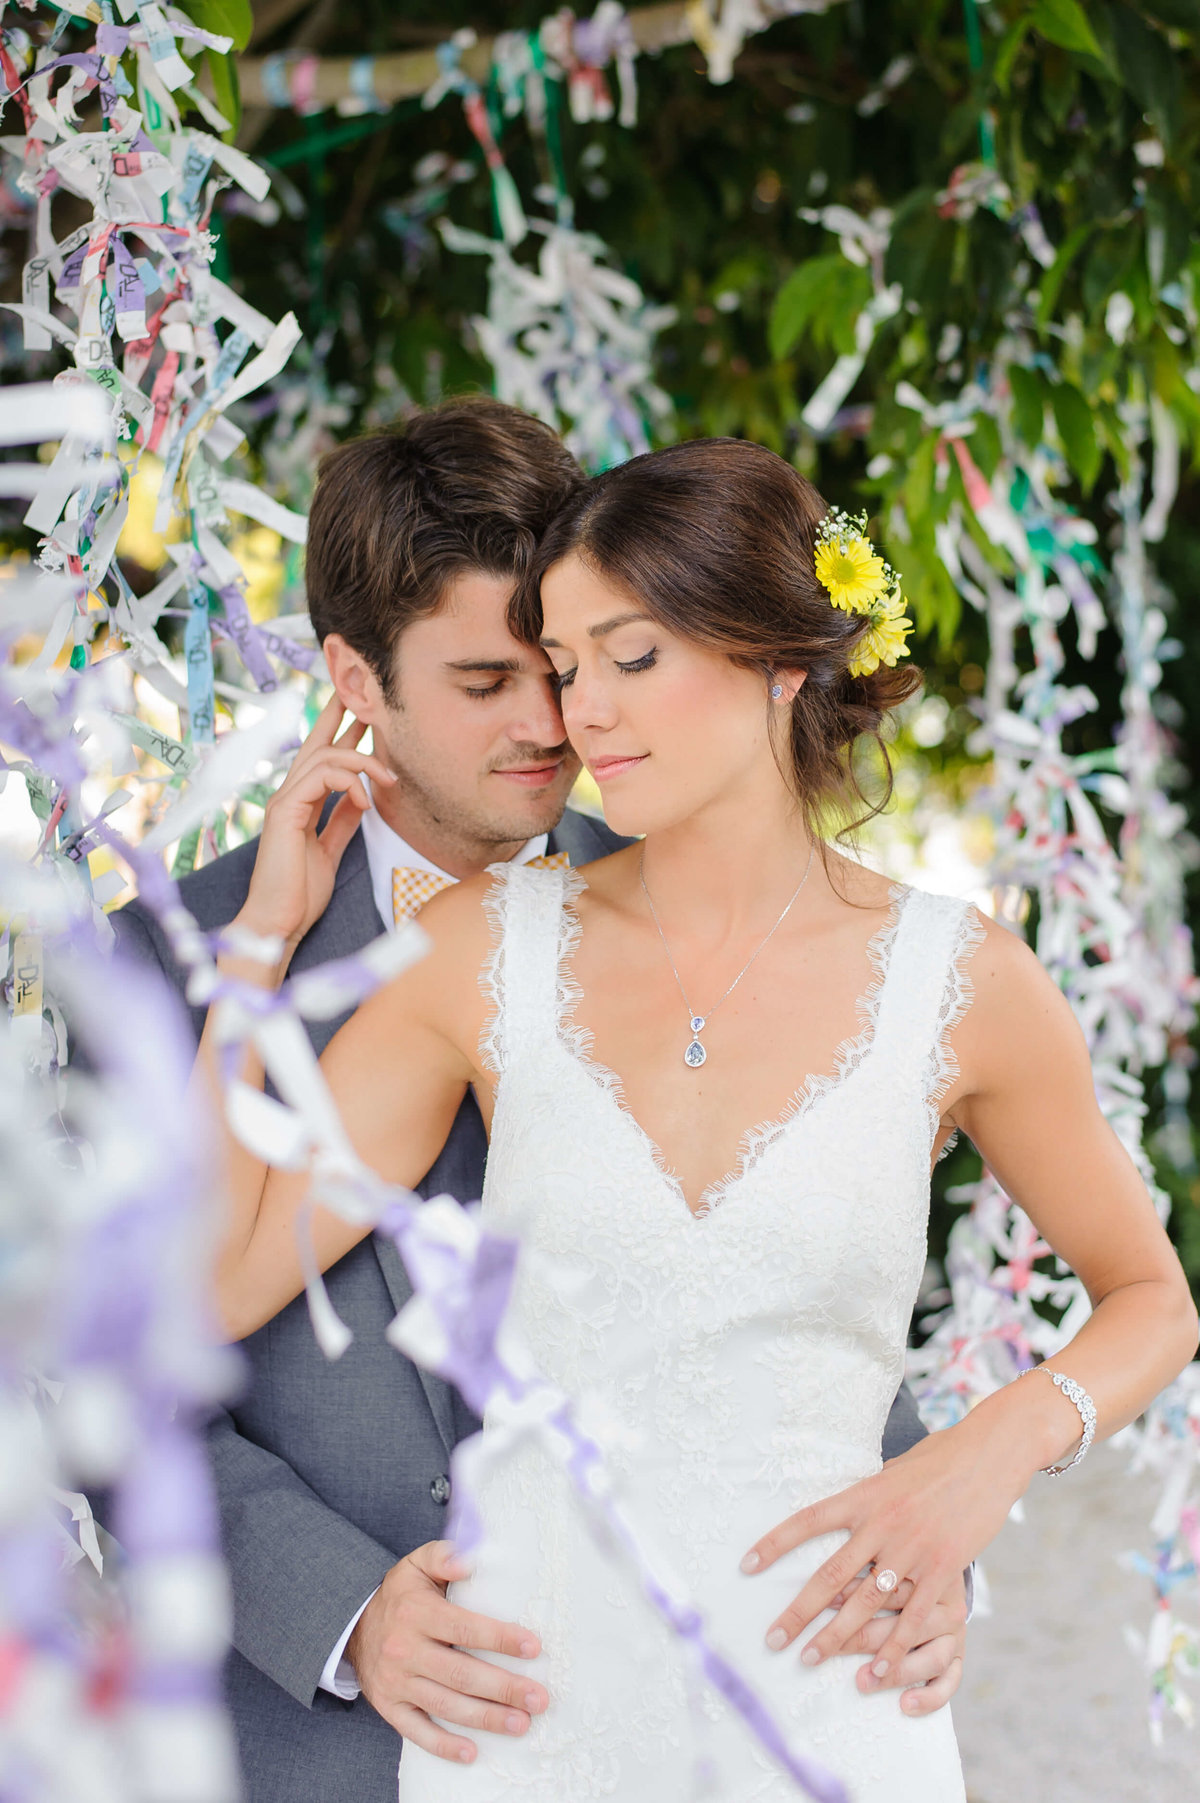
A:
<point x="1029" y="403"/>
<point x="986" y="447"/>
<point x="1065" y="23"/>
<point x="226" y="90"/>
<point x="1052" y="281"/>
<point x="1110" y="263"/>
<point x="1146" y="64"/>
<point x="822" y="293"/>
<point x="916" y="491"/>
<point x="794" y="305"/>
<point x="1077" y="430"/>
<point x="1113" y="432"/>
<point x="1007" y="53"/>
<point x="225" y="18"/>
<point x="1168" y="234"/>
<point x="1183" y="13"/>
<point x="933" y="601"/>
<point x="920" y="252"/>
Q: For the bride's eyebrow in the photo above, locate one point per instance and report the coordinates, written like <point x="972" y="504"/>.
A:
<point x="602" y="630"/>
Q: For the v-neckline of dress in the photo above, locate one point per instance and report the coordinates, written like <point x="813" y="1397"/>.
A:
<point x="576" y="1042"/>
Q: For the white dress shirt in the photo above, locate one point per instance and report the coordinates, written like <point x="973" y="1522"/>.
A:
<point x="387" y="851"/>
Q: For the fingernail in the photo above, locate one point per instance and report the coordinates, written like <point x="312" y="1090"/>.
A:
<point x="908" y="1704"/>
<point x="532" y="1701"/>
<point x="515" y="1724"/>
<point x="529" y="1649"/>
<point x="777" y="1639"/>
<point x="870" y="1681"/>
<point x="466" y="1754"/>
<point x="810" y="1656"/>
<point x="751" y="1562"/>
<point x="880" y="1668"/>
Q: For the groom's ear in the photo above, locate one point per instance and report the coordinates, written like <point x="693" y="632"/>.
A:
<point x="358" y="688"/>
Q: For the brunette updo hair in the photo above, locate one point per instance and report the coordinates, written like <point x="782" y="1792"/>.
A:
<point x="715" y="539"/>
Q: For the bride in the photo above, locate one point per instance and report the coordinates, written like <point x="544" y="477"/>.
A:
<point x="731" y="1299"/>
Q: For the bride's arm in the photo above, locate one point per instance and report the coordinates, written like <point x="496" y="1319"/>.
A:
<point x="1027" y="1100"/>
<point x="1030" y="1107"/>
<point x="397" y="1077"/>
<point x="400" y="1066"/>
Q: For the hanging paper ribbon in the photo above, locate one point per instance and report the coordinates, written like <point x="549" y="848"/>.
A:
<point x="453" y="79"/>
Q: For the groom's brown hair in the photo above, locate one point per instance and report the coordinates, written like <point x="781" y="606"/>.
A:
<point x="470" y="484"/>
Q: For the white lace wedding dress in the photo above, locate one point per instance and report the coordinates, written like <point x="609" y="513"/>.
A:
<point x="736" y="1365"/>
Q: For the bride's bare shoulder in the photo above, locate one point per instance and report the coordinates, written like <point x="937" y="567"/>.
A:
<point x="856" y="883"/>
<point x="610" y="876"/>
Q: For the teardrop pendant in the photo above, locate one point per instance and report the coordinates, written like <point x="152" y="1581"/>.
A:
<point x="695" y="1055"/>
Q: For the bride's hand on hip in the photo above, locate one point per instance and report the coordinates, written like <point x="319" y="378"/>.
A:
<point x="918" y="1523"/>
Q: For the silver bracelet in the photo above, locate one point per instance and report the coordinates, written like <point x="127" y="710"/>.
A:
<point x="1087" y="1414"/>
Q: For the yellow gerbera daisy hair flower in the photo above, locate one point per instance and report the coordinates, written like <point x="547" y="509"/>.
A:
<point x="883" y="641"/>
<point x="860" y="581"/>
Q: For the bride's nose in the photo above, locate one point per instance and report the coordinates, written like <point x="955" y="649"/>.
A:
<point x="588" y="702"/>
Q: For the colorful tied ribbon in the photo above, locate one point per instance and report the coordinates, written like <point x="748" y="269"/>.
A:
<point x="453" y="79"/>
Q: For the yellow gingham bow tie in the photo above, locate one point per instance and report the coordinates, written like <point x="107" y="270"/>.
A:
<point x="411" y="889"/>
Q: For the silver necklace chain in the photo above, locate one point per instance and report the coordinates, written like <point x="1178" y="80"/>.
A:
<point x="696" y="1055"/>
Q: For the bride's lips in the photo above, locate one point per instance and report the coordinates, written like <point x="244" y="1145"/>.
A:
<point x="604" y="769"/>
<point x="532" y="776"/>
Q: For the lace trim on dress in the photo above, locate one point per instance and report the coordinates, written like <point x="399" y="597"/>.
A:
<point x="492" y="1050"/>
<point x="847" y="1058"/>
<point x="578" y="1042"/>
<point x="959" y="993"/>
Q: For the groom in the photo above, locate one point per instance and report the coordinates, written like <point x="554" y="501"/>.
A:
<point x="332" y="1478"/>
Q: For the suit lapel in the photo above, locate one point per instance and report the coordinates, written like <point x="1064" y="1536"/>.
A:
<point x="583" y="838"/>
<point x="350" y="922"/>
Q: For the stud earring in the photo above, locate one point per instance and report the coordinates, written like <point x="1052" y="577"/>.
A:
<point x="776" y="691"/>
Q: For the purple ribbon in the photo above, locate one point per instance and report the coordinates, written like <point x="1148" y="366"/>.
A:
<point x="113" y="1307"/>
<point x="240" y="628"/>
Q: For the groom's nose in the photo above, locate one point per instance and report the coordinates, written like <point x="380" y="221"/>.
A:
<point x="538" y="720"/>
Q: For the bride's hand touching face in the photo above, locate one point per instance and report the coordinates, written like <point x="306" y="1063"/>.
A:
<point x="668" y="727"/>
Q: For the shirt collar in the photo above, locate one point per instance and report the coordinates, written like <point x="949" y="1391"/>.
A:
<point x="387" y="851"/>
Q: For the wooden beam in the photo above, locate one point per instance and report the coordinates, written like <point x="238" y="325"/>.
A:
<point x="400" y="76"/>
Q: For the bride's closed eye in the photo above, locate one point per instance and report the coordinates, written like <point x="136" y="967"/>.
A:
<point x="566" y="677"/>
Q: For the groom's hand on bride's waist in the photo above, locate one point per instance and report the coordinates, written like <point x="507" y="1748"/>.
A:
<point x="931" y="1672"/>
<point x="413" y="1654"/>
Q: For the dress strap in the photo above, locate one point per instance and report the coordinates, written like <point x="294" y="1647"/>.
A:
<point x="927" y="992"/>
<point x="531" y="931"/>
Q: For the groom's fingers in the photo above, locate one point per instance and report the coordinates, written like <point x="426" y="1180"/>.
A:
<point x="925" y="1662"/>
<point x="458" y="1627"/>
<point x="934" y="1695"/>
<point x="450" y="1704"/>
<point x="870" y="1638"/>
<point x="413" y="1724"/>
<point x="481" y="1680"/>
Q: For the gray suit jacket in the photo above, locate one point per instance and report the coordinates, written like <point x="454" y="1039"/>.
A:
<point x="327" y="1473"/>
